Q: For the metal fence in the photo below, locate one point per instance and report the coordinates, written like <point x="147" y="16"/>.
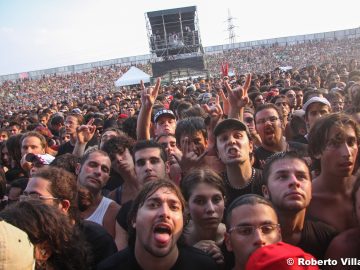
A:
<point x="144" y="59"/>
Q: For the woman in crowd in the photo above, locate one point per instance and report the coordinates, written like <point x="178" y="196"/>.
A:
<point x="204" y="193"/>
<point x="12" y="152"/>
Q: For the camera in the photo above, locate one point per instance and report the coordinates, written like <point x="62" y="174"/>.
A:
<point x="32" y="158"/>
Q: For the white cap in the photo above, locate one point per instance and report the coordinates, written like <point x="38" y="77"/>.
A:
<point x="316" y="100"/>
<point x="16" y="250"/>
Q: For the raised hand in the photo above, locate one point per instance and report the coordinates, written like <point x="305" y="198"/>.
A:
<point x="86" y="132"/>
<point x="189" y="158"/>
<point x="26" y="165"/>
<point x="175" y="169"/>
<point x="238" y="97"/>
<point x="225" y="69"/>
<point x="225" y="102"/>
<point x="216" y="114"/>
<point x="214" y="111"/>
<point x="149" y="95"/>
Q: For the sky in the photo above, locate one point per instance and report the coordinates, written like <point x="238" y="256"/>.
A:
<point x="40" y="34"/>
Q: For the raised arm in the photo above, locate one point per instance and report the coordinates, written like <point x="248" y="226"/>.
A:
<point x="84" y="134"/>
<point x="215" y="112"/>
<point x="148" y="97"/>
<point x="238" y="98"/>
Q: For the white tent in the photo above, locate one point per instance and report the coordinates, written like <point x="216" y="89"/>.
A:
<point x="132" y="76"/>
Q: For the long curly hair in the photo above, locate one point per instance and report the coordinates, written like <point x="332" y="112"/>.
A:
<point x="46" y="224"/>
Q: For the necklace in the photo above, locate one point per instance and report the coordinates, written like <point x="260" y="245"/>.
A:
<point x="243" y="186"/>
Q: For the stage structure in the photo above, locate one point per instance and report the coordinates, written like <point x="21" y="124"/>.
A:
<point x="174" y="41"/>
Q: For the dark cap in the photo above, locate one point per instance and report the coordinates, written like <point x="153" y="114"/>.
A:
<point x="232" y="124"/>
<point x="164" y="112"/>
<point x="57" y="119"/>
<point x="44" y="131"/>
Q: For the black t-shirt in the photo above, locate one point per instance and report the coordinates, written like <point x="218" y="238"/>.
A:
<point x="122" y="216"/>
<point x="253" y="188"/>
<point x="101" y="242"/>
<point x="189" y="258"/>
<point x="261" y="154"/>
<point x="114" y="181"/>
<point x="229" y="258"/>
<point x="69" y="148"/>
<point x="65" y="148"/>
<point x="316" y="237"/>
<point x="300" y="139"/>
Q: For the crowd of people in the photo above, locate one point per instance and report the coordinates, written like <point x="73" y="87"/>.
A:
<point x="28" y="93"/>
<point x="263" y="59"/>
<point x="243" y="171"/>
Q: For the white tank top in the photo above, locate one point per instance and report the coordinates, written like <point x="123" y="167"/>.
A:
<point x="99" y="213"/>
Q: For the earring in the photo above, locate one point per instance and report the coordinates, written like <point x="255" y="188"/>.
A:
<point x="42" y="251"/>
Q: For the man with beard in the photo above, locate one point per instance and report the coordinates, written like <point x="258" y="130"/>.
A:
<point x="269" y="126"/>
<point x="287" y="184"/>
<point x="156" y="221"/>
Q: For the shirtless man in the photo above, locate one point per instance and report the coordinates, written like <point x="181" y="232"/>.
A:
<point x="334" y="140"/>
<point x="347" y="244"/>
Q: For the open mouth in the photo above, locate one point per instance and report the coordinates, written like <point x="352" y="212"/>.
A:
<point x="269" y="131"/>
<point x="233" y="152"/>
<point x="162" y="233"/>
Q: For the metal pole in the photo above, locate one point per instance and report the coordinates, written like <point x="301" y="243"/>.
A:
<point x="165" y="34"/>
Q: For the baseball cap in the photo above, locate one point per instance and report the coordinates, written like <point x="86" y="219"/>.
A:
<point x="299" y="113"/>
<point x="16" y="250"/>
<point x="316" y="100"/>
<point x="279" y="256"/>
<point x="230" y="123"/>
<point x="44" y="131"/>
<point x="204" y="97"/>
<point x="57" y="119"/>
<point x="164" y="112"/>
<point x="76" y="110"/>
<point x="123" y="116"/>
